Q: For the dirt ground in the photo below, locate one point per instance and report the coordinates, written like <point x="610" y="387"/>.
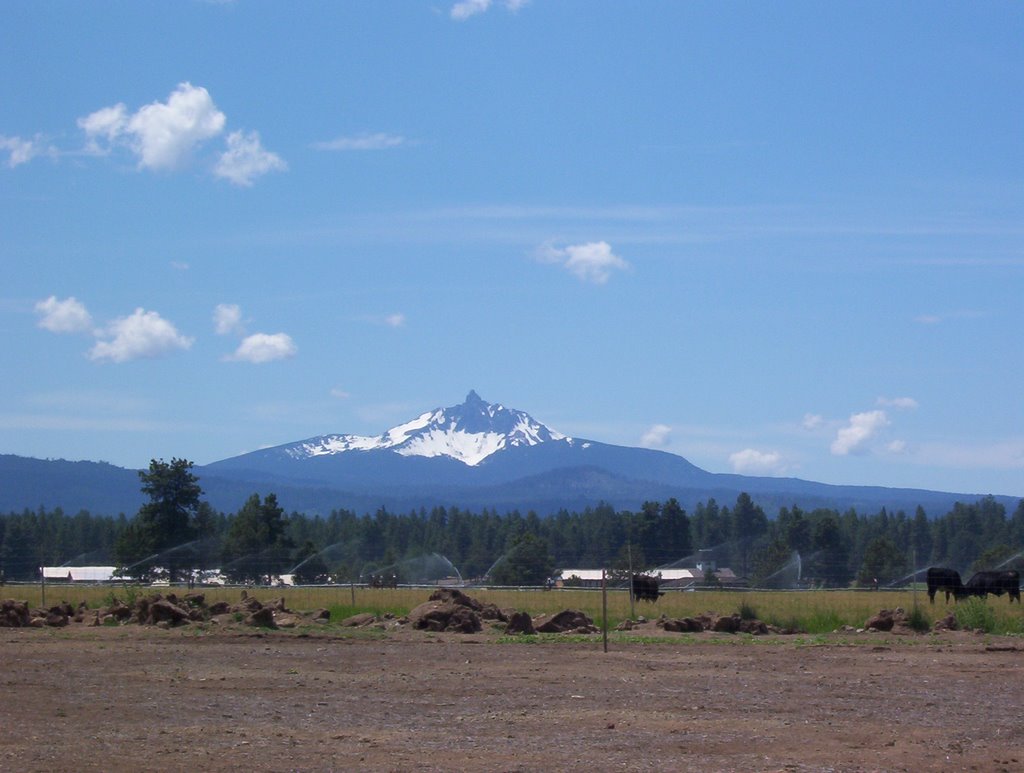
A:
<point x="134" y="698"/>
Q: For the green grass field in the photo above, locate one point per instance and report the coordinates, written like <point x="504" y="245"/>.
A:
<point x="810" y="611"/>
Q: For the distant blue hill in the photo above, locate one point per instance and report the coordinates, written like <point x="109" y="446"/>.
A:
<point x="474" y="455"/>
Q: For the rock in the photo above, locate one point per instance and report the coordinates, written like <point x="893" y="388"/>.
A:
<point x="219" y="608"/>
<point x="727" y="624"/>
<point x="278" y="605"/>
<point x="464" y="620"/>
<point x="565" y="621"/>
<point x="520" y="623"/>
<point x="14" y="614"/>
<point x="261" y="618"/>
<point x="754" y="627"/>
<point x="247" y="605"/>
<point x="948" y="623"/>
<point x="682" y="625"/>
<point x="883" y="621"/>
<point x="358" y="621"/>
<point x="441" y="616"/>
<point x="455" y="596"/>
<point x="321" y="615"/>
<point x="56" y="620"/>
<point x="165" y="611"/>
<point x="493" y="612"/>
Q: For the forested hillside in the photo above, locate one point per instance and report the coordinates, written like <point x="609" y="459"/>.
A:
<point x="834" y="548"/>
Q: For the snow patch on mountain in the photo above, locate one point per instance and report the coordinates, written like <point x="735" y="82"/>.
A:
<point x="468" y="433"/>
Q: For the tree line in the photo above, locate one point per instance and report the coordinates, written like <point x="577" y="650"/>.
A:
<point x="176" y="532"/>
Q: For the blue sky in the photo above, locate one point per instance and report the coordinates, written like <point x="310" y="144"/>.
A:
<point x="780" y="239"/>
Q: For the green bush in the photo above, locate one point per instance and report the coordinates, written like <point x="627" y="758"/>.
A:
<point x="975" y="614"/>
<point x="747" y="612"/>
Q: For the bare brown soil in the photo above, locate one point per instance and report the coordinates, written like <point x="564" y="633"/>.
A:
<point x="139" y="698"/>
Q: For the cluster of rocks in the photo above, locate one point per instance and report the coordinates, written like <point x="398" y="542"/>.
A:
<point x="709" y="621"/>
<point x="894" y="620"/>
<point x="164" y="611"/>
<point x="452" y="611"/>
<point x="898" y="621"/>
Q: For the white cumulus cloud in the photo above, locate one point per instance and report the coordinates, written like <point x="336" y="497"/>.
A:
<point x="377" y="141"/>
<point x="259" y="348"/>
<point x="589" y="262"/>
<point x="394" y="320"/>
<point x="161" y="134"/>
<point x="750" y="461"/>
<point x="859" y="432"/>
<point x="142" y="334"/>
<point x="658" y="436"/>
<point x="165" y="135"/>
<point x="227" y="319"/>
<point x="67" y="316"/>
<point x="246" y="159"/>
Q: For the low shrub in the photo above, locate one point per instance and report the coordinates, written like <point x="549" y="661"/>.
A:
<point x="822" y="621"/>
<point x="918" y="620"/>
<point x="748" y="612"/>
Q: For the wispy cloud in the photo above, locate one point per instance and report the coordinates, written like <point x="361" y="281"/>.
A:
<point x="246" y="159"/>
<point x="658" y="436"/>
<point x="21" y="151"/>
<point x="812" y="421"/>
<point x="902" y="403"/>
<point x="939" y="318"/>
<point x="465" y="9"/>
<point x="590" y="262"/>
<point x="227" y="319"/>
<point x="394" y="320"/>
<point x="66" y="316"/>
<point x="378" y="141"/>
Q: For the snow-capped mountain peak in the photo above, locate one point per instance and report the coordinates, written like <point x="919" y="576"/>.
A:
<point x="469" y="433"/>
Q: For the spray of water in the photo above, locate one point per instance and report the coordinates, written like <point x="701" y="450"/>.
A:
<point x="331" y="554"/>
<point x="1014" y="557"/>
<point x="92" y="558"/>
<point x="788" y="575"/>
<point x="427" y="569"/>
<point x="918" y="575"/>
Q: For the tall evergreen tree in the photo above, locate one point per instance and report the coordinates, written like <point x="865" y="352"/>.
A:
<point x="166" y="523"/>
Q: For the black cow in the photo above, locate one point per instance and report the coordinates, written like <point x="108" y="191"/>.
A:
<point x="996" y="583"/>
<point x="948" y="580"/>
<point x="645" y="588"/>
